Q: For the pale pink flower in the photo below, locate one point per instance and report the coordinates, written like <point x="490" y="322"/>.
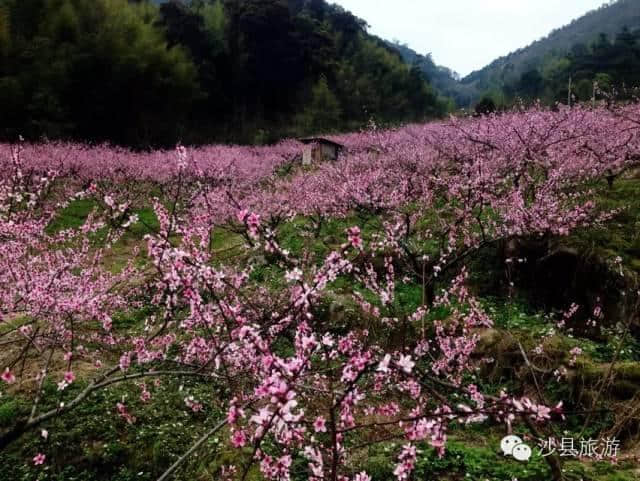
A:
<point x="319" y="425"/>
<point x="39" y="459"/>
<point x="8" y="377"/>
<point x="384" y="364"/>
<point x="362" y="477"/>
<point x="406" y="364"/>
<point x="354" y="237"/>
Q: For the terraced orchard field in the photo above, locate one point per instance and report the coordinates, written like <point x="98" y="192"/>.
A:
<point x="228" y="313"/>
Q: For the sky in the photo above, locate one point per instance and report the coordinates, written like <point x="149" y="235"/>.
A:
<point x="466" y="35"/>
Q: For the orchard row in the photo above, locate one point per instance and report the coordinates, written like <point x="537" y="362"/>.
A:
<point x="294" y="379"/>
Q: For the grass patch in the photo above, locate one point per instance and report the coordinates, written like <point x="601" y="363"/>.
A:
<point x="72" y="216"/>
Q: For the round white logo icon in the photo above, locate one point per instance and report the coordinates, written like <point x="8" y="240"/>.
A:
<point x="508" y="443"/>
<point x="522" y="452"/>
<point x="512" y="445"/>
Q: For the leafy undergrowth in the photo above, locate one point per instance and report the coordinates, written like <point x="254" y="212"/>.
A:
<point x="106" y="447"/>
<point x="621" y="236"/>
<point x="94" y="443"/>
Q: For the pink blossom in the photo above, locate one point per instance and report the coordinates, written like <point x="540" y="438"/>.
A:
<point x="125" y="361"/>
<point x="238" y="439"/>
<point x="192" y="404"/>
<point x="242" y="215"/>
<point x="319" y="425"/>
<point x="383" y="366"/>
<point x="406" y="364"/>
<point x="406" y="462"/>
<point x="145" y="395"/>
<point x="8" y="377"/>
<point x="362" y="477"/>
<point x="124" y="413"/>
<point x="354" y="237"/>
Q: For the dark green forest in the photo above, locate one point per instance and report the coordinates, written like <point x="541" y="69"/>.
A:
<point x="143" y="73"/>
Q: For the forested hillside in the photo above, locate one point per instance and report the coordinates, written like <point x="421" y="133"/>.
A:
<point x="443" y="79"/>
<point x="601" y="46"/>
<point x="609" y="20"/>
<point x="148" y="73"/>
<point x="141" y="74"/>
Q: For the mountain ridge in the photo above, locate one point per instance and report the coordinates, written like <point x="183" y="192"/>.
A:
<point x="584" y="29"/>
<point x="608" y="19"/>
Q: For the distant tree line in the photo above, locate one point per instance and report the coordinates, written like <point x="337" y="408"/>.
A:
<point x="141" y="74"/>
<point x="608" y="68"/>
<point x="443" y="79"/>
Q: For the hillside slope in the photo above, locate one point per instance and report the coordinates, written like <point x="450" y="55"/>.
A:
<point x="147" y="73"/>
<point x="444" y="80"/>
<point x="609" y="19"/>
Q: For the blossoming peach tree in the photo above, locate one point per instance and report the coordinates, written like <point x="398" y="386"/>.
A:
<point x="295" y="379"/>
